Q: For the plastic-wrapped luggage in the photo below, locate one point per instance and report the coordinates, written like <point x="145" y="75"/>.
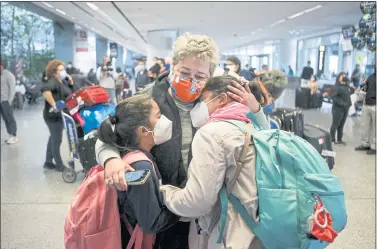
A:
<point x="93" y="116"/>
<point x="302" y="97"/>
<point x="87" y="96"/>
<point x="316" y="100"/>
<point x="321" y="141"/>
<point x="291" y="120"/>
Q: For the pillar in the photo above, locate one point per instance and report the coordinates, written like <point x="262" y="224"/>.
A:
<point x="101" y="49"/>
<point x="119" y="59"/>
<point x="160" y="44"/>
<point x="64" y="34"/>
<point x="288" y="55"/>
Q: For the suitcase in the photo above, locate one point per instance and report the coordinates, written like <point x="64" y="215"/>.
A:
<point x="302" y="97"/>
<point x="95" y="115"/>
<point x="275" y="122"/>
<point x="316" y="101"/>
<point x="321" y="141"/>
<point x="291" y="120"/>
<point x="86" y="151"/>
<point x="86" y="97"/>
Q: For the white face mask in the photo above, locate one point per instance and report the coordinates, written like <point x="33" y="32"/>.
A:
<point x="163" y="130"/>
<point x="200" y="114"/>
<point x="232" y="68"/>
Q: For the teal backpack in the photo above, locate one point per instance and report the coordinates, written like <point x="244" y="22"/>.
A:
<point x="291" y="178"/>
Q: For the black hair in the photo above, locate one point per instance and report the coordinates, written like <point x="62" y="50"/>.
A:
<point x="236" y="61"/>
<point x="155" y="69"/>
<point x="162" y="61"/>
<point x="315" y="77"/>
<point x="118" y="70"/>
<point x="309" y="62"/>
<point x="120" y="130"/>
<point x="337" y="81"/>
<point x="218" y="85"/>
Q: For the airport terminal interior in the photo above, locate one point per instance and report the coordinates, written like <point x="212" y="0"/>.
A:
<point x="294" y="40"/>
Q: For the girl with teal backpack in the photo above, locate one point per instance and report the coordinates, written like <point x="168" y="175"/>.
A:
<point x="285" y="196"/>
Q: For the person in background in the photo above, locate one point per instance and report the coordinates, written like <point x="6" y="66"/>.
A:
<point x="368" y="118"/>
<point x="215" y="149"/>
<point x="153" y="72"/>
<point x="290" y="71"/>
<point x="161" y="62"/>
<point x="141" y="79"/>
<point x="168" y="61"/>
<point x="265" y="68"/>
<point x="234" y="65"/>
<point x="119" y="87"/>
<point x="307" y="72"/>
<point x="8" y="91"/>
<point x="71" y="69"/>
<point x="341" y="98"/>
<point x="138" y="125"/>
<point x="127" y="92"/>
<point x="356" y="76"/>
<point x="313" y="84"/>
<point x="91" y="77"/>
<point x="54" y="90"/>
<point x="154" y="60"/>
<point x="106" y="77"/>
<point x="195" y="58"/>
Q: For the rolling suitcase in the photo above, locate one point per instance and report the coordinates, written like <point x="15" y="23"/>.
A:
<point x="321" y="141"/>
<point x="291" y="120"/>
<point x="275" y="122"/>
<point x="302" y="97"/>
<point x="86" y="151"/>
<point x="316" y="101"/>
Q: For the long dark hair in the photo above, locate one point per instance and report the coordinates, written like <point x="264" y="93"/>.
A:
<point x="337" y="81"/>
<point x="120" y="129"/>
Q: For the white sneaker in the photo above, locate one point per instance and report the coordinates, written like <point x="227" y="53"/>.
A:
<point x="6" y="140"/>
<point x="13" y="140"/>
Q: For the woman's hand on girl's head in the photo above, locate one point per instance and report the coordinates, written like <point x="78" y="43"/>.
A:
<point x="243" y="95"/>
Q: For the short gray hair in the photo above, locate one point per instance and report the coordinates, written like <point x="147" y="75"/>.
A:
<point x="201" y="46"/>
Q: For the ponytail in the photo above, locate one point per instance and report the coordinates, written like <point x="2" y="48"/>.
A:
<point x="106" y="133"/>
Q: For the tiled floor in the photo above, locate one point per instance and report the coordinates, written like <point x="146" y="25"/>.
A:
<point x="34" y="202"/>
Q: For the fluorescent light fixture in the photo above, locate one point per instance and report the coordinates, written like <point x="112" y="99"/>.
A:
<point x="60" y="11"/>
<point x="48" y="5"/>
<point x="93" y="6"/>
<point x="314" y="8"/>
<point x="278" y="22"/>
<point x="296" y="15"/>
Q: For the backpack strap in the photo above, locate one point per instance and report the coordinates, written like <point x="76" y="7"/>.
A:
<point x="139" y="239"/>
<point x="225" y="191"/>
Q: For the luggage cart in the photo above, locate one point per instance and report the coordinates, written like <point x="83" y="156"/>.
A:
<point x="70" y="174"/>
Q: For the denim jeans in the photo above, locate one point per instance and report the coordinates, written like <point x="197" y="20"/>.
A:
<point x="112" y="96"/>
<point x="54" y="141"/>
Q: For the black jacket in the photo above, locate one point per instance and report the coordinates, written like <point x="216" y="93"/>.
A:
<point x="307" y="72"/>
<point x="60" y="91"/>
<point x="168" y="155"/>
<point x="341" y="96"/>
<point x="141" y="80"/>
<point x="143" y="204"/>
<point x="370" y="97"/>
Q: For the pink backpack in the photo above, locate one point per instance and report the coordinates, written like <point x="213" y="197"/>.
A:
<point x="93" y="220"/>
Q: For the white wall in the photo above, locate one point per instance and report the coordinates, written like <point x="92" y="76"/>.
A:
<point x="160" y="44"/>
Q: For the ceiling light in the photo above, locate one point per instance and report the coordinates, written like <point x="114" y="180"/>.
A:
<point x="73" y="18"/>
<point x="92" y="6"/>
<point x="47" y="4"/>
<point x="278" y="22"/>
<point x="296" y="15"/>
<point x="60" y="11"/>
<point x="314" y="8"/>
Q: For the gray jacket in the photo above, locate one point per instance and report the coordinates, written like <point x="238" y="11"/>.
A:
<point x="8" y="86"/>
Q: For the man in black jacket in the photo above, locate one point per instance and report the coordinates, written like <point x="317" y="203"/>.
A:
<point x="307" y="72"/>
<point x="368" y="118"/>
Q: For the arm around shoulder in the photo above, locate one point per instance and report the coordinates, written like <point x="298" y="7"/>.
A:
<point x="105" y="152"/>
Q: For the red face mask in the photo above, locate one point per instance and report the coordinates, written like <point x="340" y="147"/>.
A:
<point x="185" y="89"/>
